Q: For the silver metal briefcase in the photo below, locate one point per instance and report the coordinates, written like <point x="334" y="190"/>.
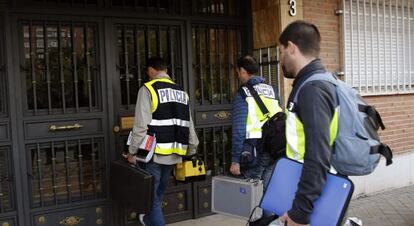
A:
<point x="236" y="197"/>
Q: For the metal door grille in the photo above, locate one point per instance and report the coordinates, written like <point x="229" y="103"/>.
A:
<point x="66" y="171"/>
<point x="215" y="53"/>
<point x="6" y="191"/>
<point x="149" y="5"/>
<point x="2" y="93"/>
<point x="217" y="7"/>
<point x="70" y="2"/>
<point x="214" y="147"/>
<point x="61" y="68"/>
<point x="137" y="43"/>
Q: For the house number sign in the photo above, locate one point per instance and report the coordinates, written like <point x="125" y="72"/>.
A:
<point x="292" y="7"/>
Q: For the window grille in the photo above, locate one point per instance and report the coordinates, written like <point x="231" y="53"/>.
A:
<point x="269" y="68"/>
<point x="378" y="46"/>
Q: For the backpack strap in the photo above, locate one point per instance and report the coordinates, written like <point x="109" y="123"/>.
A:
<point x="383" y="150"/>
<point x="259" y="101"/>
<point x="320" y="77"/>
<point x="373" y="113"/>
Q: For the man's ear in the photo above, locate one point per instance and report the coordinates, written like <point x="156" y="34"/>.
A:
<point x="242" y="70"/>
<point x="291" y="47"/>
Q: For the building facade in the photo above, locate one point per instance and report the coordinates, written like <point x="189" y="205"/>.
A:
<point x="70" y="71"/>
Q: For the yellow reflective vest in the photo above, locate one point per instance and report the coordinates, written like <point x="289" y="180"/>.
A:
<point x="295" y="133"/>
<point x="255" y="117"/>
<point x="170" y="117"/>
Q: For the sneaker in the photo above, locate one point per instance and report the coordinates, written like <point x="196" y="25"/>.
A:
<point x="141" y="219"/>
<point x="353" y="221"/>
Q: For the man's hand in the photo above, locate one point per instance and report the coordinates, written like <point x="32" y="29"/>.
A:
<point x="131" y="158"/>
<point x="289" y="222"/>
<point x="235" y="168"/>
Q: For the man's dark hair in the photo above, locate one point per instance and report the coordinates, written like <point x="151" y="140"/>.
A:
<point x="248" y="63"/>
<point x="303" y="34"/>
<point x="157" y="63"/>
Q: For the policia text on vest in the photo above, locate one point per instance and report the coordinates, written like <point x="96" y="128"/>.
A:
<point x="171" y="95"/>
<point x="170" y="117"/>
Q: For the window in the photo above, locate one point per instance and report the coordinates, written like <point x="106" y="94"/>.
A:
<point x="378" y="46"/>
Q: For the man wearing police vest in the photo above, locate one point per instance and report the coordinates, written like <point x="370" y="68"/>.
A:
<point x="248" y="120"/>
<point x="312" y="120"/>
<point x="162" y="109"/>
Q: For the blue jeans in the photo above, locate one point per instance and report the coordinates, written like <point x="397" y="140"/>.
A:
<point x="161" y="174"/>
<point x="263" y="168"/>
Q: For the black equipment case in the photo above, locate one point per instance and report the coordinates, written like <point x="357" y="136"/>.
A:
<point x="131" y="186"/>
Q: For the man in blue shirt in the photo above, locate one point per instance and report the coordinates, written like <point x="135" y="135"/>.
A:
<point x="248" y="158"/>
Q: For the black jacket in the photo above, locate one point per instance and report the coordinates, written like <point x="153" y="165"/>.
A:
<point x="315" y="108"/>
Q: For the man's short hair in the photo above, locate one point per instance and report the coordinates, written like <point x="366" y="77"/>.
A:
<point x="248" y="63"/>
<point x="157" y="63"/>
<point x="303" y="34"/>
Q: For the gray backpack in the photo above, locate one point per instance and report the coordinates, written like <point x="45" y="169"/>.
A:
<point x="357" y="148"/>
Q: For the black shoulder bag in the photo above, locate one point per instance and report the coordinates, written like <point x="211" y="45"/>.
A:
<point x="273" y="131"/>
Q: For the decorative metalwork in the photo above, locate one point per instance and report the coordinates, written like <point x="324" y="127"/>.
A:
<point x="98" y="210"/>
<point x="2" y="92"/>
<point x="61" y="67"/>
<point x="180" y="196"/>
<point x="6" y="199"/>
<point x="5" y="224"/>
<point x="41" y="220"/>
<point x="180" y="206"/>
<point x="215" y="148"/>
<point x="206" y="191"/>
<point x="215" y="53"/>
<point x="222" y="115"/>
<point x="133" y="215"/>
<point x="217" y="7"/>
<point x="164" y="204"/>
<point x="71" y="221"/>
<point x="99" y="222"/>
<point x="206" y="205"/>
<point x="66" y="171"/>
<point x="71" y="2"/>
<point x="54" y="128"/>
<point x="137" y="43"/>
<point x="159" y="6"/>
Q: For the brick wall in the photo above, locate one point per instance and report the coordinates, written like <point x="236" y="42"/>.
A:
<point x="397" y="110"/>
<point x="321" y="13"/>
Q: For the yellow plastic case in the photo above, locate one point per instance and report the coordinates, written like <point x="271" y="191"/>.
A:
<point x="192" y="168"/>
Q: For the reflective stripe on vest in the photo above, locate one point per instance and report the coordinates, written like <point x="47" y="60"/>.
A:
<point x="295" y="135"/>
<point x="165" y="119"/>
<point x="255" y="117"/>
<point x="170" y="122"/>
<point x="171" y="148"/>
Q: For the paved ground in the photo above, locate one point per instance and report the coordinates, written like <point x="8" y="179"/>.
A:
<point x="395" y="208"/>
<point x="391" y="208"/>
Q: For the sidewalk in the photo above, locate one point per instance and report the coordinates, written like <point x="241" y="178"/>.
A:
<point x="391" y="208"/>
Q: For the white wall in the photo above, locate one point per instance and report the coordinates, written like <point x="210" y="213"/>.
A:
<point x="398" y="174"/>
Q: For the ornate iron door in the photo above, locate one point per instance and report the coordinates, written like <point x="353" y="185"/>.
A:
<point x="133" y="43"/>
<point x="63" y="120"/>
<point x="8" y="205"/>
